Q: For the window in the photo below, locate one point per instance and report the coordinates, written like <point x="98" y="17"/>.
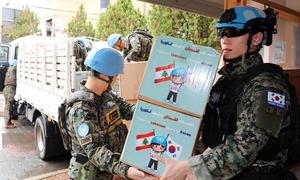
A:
<point x="4" y="52"/>
<point x="104" y="4"/>
<point x="16" y="52"/>
<point x="49" y="25"/>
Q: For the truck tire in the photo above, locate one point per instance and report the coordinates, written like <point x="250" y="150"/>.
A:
<point x="47" y="138"/>
<point x="15" y="114"/>
<point x="40" y="138"/>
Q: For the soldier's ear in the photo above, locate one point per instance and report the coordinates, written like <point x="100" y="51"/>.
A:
<point x="257" y="38"/>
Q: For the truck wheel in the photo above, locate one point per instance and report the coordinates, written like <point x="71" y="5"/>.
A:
<point x="15" y="110"/>
<point x="47" y="139"/>
<point x="40" y="138"/>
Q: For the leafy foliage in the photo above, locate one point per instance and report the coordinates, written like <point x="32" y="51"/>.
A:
<point x="26" y="23"/>
<point x="189" y="26"/>
<point x="120" y="18"/>
<point x="79" y="26"/>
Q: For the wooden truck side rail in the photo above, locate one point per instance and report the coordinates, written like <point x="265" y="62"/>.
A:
<point x="46" y="72"/>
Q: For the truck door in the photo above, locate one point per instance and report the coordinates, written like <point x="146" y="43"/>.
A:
<point x="4" y="55"/>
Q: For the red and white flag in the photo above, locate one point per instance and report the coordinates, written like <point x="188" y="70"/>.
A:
<point x="173" y="150"/>
<point x="276" y="99"/>
<point x="163" y="73"/>
<point x="143" y="141"/>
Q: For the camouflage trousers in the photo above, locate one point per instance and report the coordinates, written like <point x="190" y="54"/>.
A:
<point x="86" y="170"/>
<point x="9" y="93"/>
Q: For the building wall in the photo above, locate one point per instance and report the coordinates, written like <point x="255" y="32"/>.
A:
<point x="7" y="16"/>
<point x="285" y="46"/>
<point x="62" y="11"/>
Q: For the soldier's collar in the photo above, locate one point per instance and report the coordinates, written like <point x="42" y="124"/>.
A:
<point x="94" y="94"/>
<point x="234" y="70"/>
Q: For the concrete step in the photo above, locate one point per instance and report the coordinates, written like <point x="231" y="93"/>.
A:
<point x="56" y="175"/>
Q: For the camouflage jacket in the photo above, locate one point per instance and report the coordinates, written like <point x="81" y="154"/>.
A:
<point x="256" y="124"/>
<point x="138" y="47"/>
<point x="11" y="76"/>
<point x="98" y="135"/>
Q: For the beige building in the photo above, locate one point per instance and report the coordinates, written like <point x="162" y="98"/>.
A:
<point x="55" y="15"/>
<point x="58" y="13"/>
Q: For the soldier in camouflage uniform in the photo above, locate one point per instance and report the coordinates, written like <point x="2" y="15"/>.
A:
<point x="138" y="46"/>
<point x="243" y="132"/>
<point x="115" y="41"/>
<point x="94" y="122"/>
<point x="9" y="92"/>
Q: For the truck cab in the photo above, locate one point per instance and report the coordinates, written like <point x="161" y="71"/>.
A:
<point x="4" y="59"/>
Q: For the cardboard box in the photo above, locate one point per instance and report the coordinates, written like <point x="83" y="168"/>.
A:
<point x="171" y="103"/>
<point x="131" y="80"/>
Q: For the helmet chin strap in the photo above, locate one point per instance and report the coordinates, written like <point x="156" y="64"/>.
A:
<point x="246" y="55"/>
<point x="109" y="81"/>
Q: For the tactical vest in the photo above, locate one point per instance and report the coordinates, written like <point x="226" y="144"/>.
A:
<point x="11" y="76"/>
<point x="220" y="119"/>
<point x="63" y="111"/>
<point x="145" y="41"/>
<point x="111" y="113"/>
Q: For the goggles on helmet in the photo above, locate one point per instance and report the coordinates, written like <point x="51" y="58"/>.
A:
<point x="230" y="32"/>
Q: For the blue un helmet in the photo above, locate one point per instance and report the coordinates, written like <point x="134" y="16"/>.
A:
<point x="113" y="39"/>
<point x="160" y="140"/>
<point x="105" y="60"/>
<point x="248" y="19"/>
<point x="181" y="72"/>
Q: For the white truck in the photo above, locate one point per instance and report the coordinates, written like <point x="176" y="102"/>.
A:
<point x="48" y="70"/>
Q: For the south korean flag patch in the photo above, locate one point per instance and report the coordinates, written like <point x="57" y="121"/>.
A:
<point x="276" y="100"/>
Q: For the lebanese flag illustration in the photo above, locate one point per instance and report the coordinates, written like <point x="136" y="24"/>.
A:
<point x="173" y="150"/>
<point x="163" y="73"/>
<point x="143" y="141"/>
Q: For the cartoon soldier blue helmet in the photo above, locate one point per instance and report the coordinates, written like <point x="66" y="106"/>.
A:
<point x="105" y="60"/>
<point x="160" y="140"/>
<point x="113" y="39"/>
<point x="249" y="19"/>
<point x="181" y="72"/>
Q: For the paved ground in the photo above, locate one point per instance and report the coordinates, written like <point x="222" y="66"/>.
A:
<point x="18" y="159"/>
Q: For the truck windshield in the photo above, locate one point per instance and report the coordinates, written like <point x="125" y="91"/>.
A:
<point x="4" y="52"/>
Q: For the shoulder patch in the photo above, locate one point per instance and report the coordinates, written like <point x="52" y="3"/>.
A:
<point x="276" y="99"/>
<point x="83" y="130"/>
<point x="88" y="139"/>
<point x="269" y="110"/>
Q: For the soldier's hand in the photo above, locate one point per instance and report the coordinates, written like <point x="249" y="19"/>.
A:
<point x="190" y="176"/>
<point x="175" y="170"/>
<point x="134" y="173"/>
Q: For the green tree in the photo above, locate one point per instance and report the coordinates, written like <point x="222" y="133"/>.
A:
<point x="192" y="27"/>
<point x="79" y="26"/>
<point x="26" y="23"/>
<point x="121" y="18"/>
